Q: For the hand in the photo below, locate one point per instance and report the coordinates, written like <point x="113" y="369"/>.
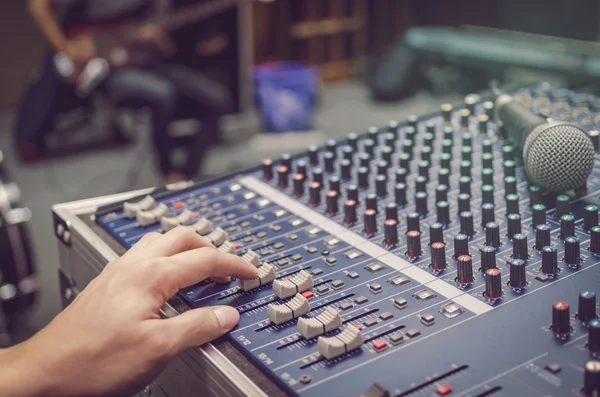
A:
<point x="155" y="35"/>
<point x="81" y="50"/>
<point x="111" y="339"/>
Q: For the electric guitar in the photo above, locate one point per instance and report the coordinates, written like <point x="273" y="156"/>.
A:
<point x="117" y="46"/>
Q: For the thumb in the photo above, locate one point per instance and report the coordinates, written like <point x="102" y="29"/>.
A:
<point x="196" y="327"/>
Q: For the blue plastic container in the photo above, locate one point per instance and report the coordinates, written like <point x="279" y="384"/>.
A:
<point x="286" y="94"/>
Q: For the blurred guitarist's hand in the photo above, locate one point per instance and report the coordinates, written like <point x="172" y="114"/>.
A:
<point x="154" y="34"/>
<point x="81" y="50"/>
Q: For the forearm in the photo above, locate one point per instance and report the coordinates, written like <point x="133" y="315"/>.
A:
<point x="44" y="15"/>
<point x="21" y="374"/>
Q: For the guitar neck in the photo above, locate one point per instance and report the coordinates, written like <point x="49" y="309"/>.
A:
<point x="191" y="14"/>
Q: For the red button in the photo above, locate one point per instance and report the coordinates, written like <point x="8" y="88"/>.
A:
<point x="443" y="390"/>
<point x="237" y="245"/>
<point x="358" y="327"/>
<point x="379" y="345"/>
<point x="178" y="205"/>
<point x="308" y="294"/>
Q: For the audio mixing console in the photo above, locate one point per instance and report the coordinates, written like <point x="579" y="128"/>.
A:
<point x="411" y="260"/>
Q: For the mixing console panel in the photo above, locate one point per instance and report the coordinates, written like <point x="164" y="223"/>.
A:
<point x="411" y="260"/>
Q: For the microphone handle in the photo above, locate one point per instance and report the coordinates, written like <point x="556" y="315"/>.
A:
<point x="518" y="121"/>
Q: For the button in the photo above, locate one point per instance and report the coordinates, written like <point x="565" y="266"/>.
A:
<point x="278" y="245"/>
<point x="349" y="339"/>
<point x="386" y="316"/>
<point x="331" y="260"/>
<point x="398" y="280"/>
<point x="374" y="267"/>
<point x="296" y="222"/>
<point x="443" y="390"/>
<point x="337" y="284"/>
<point x="295" y="308"/>
<point x="553" y="368"/>
<point x="413" y="333"/>
<point x="400" y="303"/>
<point x="305" y="379"/>
<point x="308" y="294"/>
<point x="353" y="254"/>
<point x="424" y="295"/>
<point x="353" y="275"/>
<point x="380" y="345"/>
<point x="346" y="306"/>
<point x="427" y="319"/>
<point x="313" y="231"/>
<point x="360" y="300"/>
<point x="332" y="242"/>
<point x="283" y="262"/>
<point x="245" y="224"/>
<point x="452" y="310"/>
<point x="370" y="322"/>
<point x="296" y="257"/>
<point x="316" y="272"/>
<point x="325" y="252"/>
<point x="293" y="237"/>
<point x="542" y="277"/>
<point x="375" y="288"/>
<point x="311" y="250"/>
<point x="248" y="239"/>
<point x="396" y="338"/>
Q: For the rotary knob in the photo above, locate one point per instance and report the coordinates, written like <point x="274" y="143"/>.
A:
<point x="538" y="216"/>
<point x="572" y="251"/>
<point x="518" y="274"/>
<point x="443" y="212"/>
<point x="363" y="177"/>
<point x="352" y="193"/>
<point x="381" y="185"/>
<point x="461" y="245"/>
<point x="400" y="193"/>
<point x="590" y="217"/>
<point x="413" y="244"/>
<point x="267" y="169"/>
<point x="595" y="240"/>
<point x="286" y="159"/>
<point x="561" y="319"/>
<point x="301" y="167"/>
<point x="567" y="226"/>
<point x="492" y="234"/>
<point x="436" y="233"/>
<point x="464" y="274"/>
<point x="317" y="175"/>
<point x="493" y="284"/>
<point x="370" y="222"/>
<point x="313" y="155"/>
<point x="298" y="183"/>
<point x="464" y="203"/>
<point x="488" y="258"/>
<point x="421" y="202"/>
<point x="512" y="204"/>
<point x="350" y="212"/>
<point x="334" y="183"/>
<point x="391" y="211"/>
<point x="390" y="227"/>
<point x="441" y="193"/>
<point x="514" y="225"/>
<point x="520" y="248"/>
<point x="438" y="257"/>
<point x="329" y="160"/>
<point x="594" y="336"/>
<point x="331" y="198"/>
<point x="346" y="169"/>
<point x="591" y="379"/>
<point x="401" y="175"/>
<point x="563" y="206"/>
<point x="542" y="236"/>
<point x="371" y="202"/>
<point x="466" y="223"/>
<point x="550" y="261"/>
<point x="282" y="176"/>
<point x="535" y="195"/>
<point x="487" y="213"/>
<point x="586" y="311"/>
<point x="314" y="192"/>
<point x="413" y="221"/>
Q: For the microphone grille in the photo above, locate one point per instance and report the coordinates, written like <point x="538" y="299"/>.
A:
<point x="558" y="157"/>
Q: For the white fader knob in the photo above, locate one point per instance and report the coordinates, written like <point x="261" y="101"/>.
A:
<point x="150" y="217"/>
<point x="217" y="236"/>
<point x="266" y="275"/>
<point x="347" y="340"/>
<point x="227" y="248"/>
<point x="251" y="257"/>
<point x="301" y="282"/>
<point x="131" y="209"/>
<point x="327" y="321"/>
<point x="186" y="218"/>
<point x="202" y="227"/>
<point x="295" y="308"/>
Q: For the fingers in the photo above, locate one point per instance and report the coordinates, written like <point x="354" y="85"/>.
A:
<point x="221" y="280"/>
<point x="175" y="241"/>
<point x="196" y="327"/>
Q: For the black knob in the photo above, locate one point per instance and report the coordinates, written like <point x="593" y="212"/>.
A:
<point x="488" y="106"/>
<point x="465" y="114"/>
<point x="420" y="183"/>
<point x="595" y="240"/>
<point x="488" y="258"/>
<point x="444" y="176"/>
<point x="334" y="183"/>
<point x="464" y="274"/>
<point x="363" y="177"/>
<point x="483" y="123"/>
<point x="282" y="176"/>
<point x="562" y="206"/>
<point x="438" y="257"/>
<point x="401" y="175"/>
<point x="411" y="129"/>
<point x="314" y="192"/>
<point x="313" y="155"/>
<point x="381" y="185"/>
<point x="429" y="137"/>
<point x="520" y="248"/>
<point x="461" y="245"/>
<point x="407" y="147"/>
<point x="488" y="213"/>
<point x="400" y="193"/>
<point x="591" y="379"/>
<point x="382" y="167"/>
<point x="550" y="261"/>
<point x="466" y="223"/>
<point x="331" y="146"/>
<point x="369" y="147"/>
<point x="542" y="236"/>
<point x="370" y="222"/>
<point x="590" y="217"/>
<point x="391" y="211"/>
<point x="561" y="319"/>
<point x="421" y="202"/>
<point x="267" y="169"/>
<point x="448" y="132"/>
<point x="465" y="168"/>
<point x="572" y="251"/>
<point x="512" y="204"/>
<point x="594" y="335"/>
<point x="430" y="126"/>
<point x="391" y="232"/>
<point x="464" y="185"/>
<point x="508" y="152"/>
<point x="586" y="310"/>
<point x="535" y="195"/>
<point x="487" y="176"/>
<point x="413" y="221"/>
<point x="447" y="112"/>
<point x="436" y="233"/>
<point x="348" y="153"/>
<point x="493" y="284"/>
<point x="510" y="185"/>
<point x="447" y="146"/>
<point x="467" y="153"/>
<point x="413" y="244"/>
<point x="386" y="153"/>
<point x="371" y="202"/>
<point x="443" y="212"/>
<point x="352" y="193"/>
<point x="286" y="160"/>
<point x="350" y="212"/>
<point x="392" y="128"/>
<point x="404" y="160"/>
<point x="331" y="198"/>
<point x="567" y="226"/>
<point x="424" y="169"/>
<point x="487" y="161"/>
<point x="467" y="139"/>
<point x="426" y="153"/>
<point x="441" y="193"/>
<point x="514" y="225"/>
<point x="301" y="167"/>
<point x="317" y="175"/>
<point x="487" y="194"/>
<point x="412" y="120"/>
<point x="329" y="159"/>
<point x="346" y="168"/>
<point x="364" y="160"/>
<point x="372" y="133"/>
<point x="518" y="274"/>
<point x="464" y="203"/>
<point x="298" y="182"/>
<point x="352" y="140"/>
<point x="509" y="168"/>
<point x="492" y="235"/>
<point x="538" y="216"/>
<point x="595" y="137"/>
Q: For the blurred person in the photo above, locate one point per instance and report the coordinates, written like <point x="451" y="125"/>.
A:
<point x="111" y="340"/>
<point x="156" y="85"/>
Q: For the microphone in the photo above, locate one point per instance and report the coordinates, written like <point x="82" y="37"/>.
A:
<point x="558" y="156"/>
